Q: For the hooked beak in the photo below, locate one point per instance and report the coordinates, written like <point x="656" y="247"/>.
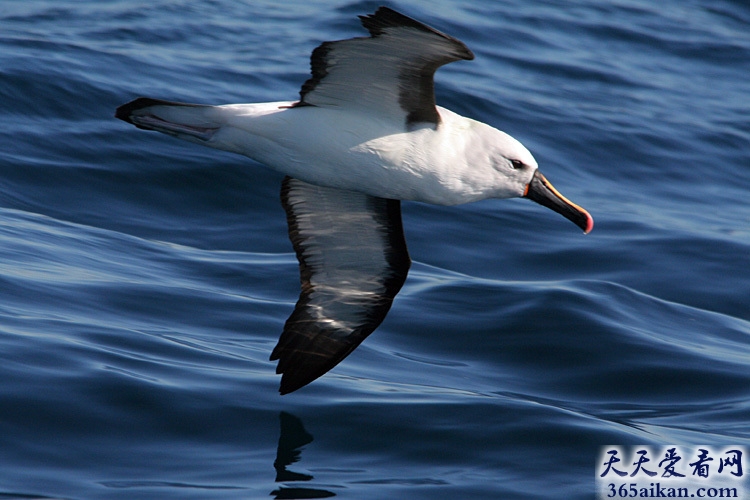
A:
<point x="542" y="192"/>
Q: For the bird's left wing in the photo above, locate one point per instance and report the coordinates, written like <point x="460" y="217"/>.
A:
<point x="388" y="73"/>
<point x="353" y="261"/>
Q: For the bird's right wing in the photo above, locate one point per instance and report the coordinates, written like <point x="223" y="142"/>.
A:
<point x="353" y="261"/>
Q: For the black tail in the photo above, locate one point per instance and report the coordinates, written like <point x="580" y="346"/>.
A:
<point x="179" y="119"/>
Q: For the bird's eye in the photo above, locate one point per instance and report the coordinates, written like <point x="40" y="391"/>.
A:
<point x="517" y="164"/>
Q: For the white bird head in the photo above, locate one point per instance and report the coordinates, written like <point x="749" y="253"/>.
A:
<point x="511" y="170"/>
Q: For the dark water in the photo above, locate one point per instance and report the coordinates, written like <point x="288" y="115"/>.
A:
<point x="144" y="281"/>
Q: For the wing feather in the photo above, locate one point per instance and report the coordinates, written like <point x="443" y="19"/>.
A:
<point x="353" y="261"/>
<point x="391" y="72"/>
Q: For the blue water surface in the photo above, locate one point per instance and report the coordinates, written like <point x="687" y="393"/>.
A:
<point x="144" y="281"/>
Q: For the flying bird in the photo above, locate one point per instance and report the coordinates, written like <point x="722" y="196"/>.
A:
<point x="364" y="134"/>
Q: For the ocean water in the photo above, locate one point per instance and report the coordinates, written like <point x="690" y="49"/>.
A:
<point x="144" y="281"/>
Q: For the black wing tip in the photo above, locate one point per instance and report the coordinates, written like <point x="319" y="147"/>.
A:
<point x="289" y="385"/>
<point x="297" y="375"/>
<point x="303" y="359"/>
<point x="385" y="17"/>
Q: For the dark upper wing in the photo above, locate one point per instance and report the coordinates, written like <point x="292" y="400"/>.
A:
<point x="353" y="261"/>
<point x="391" y="72"/>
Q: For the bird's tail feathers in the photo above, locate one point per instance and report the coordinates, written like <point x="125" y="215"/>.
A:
<point x="192" y="122"/>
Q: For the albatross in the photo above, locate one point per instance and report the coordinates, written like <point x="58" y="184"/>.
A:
<point x="364" y="135"/>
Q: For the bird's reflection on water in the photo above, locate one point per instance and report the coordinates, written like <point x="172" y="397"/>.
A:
<point x="292" y="438"/>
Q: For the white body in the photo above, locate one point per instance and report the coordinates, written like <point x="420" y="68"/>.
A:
<point x="460" y="161"/>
